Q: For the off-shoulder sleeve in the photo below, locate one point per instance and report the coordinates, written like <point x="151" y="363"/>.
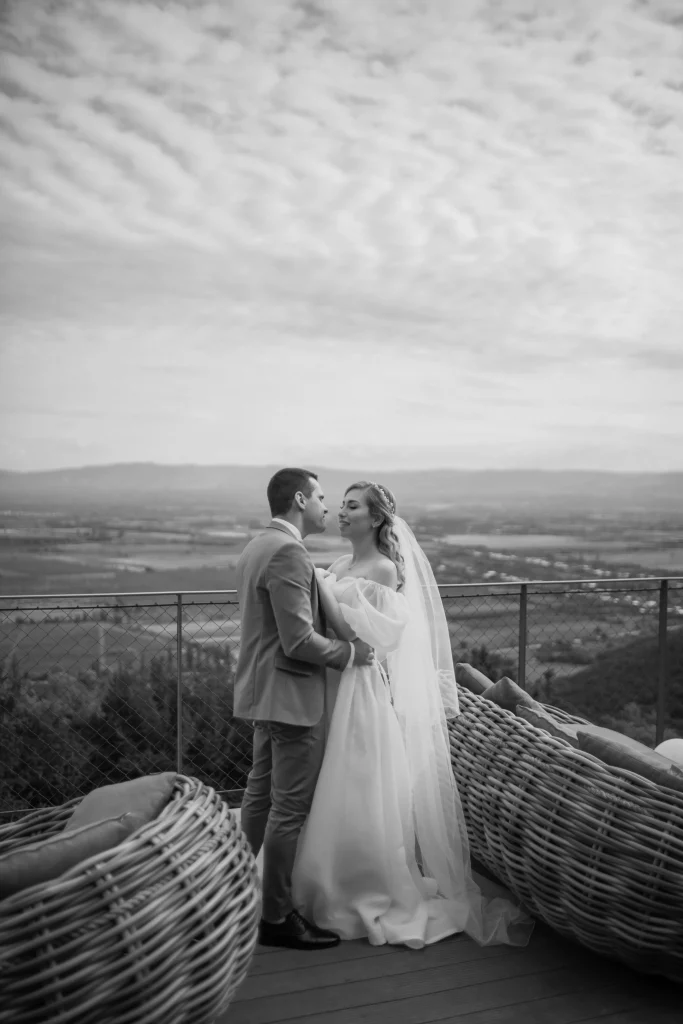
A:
<point x="377" y="614"/>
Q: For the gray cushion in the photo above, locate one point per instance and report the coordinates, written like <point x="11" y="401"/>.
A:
<point x="624" y="752"/>
<point x="471" y="678"/>
<point x="542" y="720"/>
<point x="507" y="694"/>
<point x="48" y="859"/>
<point x="601" y="731"/>
<point x="145" y="797"/>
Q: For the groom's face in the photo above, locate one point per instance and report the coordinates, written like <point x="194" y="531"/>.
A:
<point x="315" y="512"/>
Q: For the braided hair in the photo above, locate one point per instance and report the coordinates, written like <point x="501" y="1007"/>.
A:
<point x="381" y="502"/>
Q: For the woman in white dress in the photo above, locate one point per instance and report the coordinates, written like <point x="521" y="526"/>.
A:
<point x="384" y="852"/>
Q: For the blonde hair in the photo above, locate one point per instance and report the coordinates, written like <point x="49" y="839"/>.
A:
<point x="381" y="502"/>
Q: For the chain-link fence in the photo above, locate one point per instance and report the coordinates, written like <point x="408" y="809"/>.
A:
<point x="605" y="650"/>
<point x="95" y="690"/>
<point x="98" y="690"/>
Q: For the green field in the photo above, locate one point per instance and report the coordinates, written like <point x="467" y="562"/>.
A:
<point x="98" y="568"/>
<point x="73" y="647"/>
<point x="34" y="579"/>
<point x="38" y="645"/>
<point x="126" y="559"/>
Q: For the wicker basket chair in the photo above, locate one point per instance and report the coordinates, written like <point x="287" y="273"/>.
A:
<point x="157" y="930"/>
<point x="594" y="851"/>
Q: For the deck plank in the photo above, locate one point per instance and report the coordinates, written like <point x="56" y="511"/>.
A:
<point x="556" y="996"/>
<point x="398" y="990"/>
<point x="638" y="1015"/>
<point x="297" y="973"/>
<point x="552" y="981"/>
<point x="291" y="959"/>
<point x="587" y="1006"/>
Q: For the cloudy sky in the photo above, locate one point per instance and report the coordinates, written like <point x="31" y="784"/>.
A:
<point x="393" y="233"/>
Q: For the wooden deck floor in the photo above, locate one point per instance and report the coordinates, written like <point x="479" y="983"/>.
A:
<point x="552" y="981"/>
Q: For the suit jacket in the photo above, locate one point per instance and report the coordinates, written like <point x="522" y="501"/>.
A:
<point x="280" y="673"/>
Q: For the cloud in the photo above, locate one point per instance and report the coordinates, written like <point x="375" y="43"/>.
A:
<point x="470" y="199"/>
<point x="656" y="358"/>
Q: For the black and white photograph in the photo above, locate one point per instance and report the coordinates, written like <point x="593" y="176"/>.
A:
<point x="341" y="511"/>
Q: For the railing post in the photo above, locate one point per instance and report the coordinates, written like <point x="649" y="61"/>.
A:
<point x="522" y="639"/>
<point x="662" y="663"/>
<point x="179" y="684"/>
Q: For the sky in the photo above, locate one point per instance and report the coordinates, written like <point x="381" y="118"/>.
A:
<point x="398" y="234"/>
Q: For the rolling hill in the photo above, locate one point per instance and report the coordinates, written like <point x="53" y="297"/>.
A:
<point x="626" y="675"/>
<point x="242" y="488"/>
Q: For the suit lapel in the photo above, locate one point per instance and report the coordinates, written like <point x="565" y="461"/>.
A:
<point x="316" y="606"/>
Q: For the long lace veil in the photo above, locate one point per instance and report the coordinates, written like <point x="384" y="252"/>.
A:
<point x="425" y="695"/>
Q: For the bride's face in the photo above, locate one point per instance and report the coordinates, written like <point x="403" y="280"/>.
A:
<point x="355" y="519"/>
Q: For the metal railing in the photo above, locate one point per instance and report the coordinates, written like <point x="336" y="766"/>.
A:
<point x="95" y="688"/>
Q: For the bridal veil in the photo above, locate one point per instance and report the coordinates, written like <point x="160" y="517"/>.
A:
<point x="425" y="695"/>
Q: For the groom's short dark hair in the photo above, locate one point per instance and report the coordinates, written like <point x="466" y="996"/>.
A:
<point x="284" y="485"/>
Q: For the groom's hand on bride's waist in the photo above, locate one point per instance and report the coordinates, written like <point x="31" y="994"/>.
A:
<point x="363" y="654"/>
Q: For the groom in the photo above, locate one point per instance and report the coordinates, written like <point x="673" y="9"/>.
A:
<point x="279" y="686"/>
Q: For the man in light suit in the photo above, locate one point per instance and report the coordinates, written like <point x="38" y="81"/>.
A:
<point x="280" y="686"/>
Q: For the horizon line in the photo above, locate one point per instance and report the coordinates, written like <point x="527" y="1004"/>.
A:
<point x="273" y="467"/>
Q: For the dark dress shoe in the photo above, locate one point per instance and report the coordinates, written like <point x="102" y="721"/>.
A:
<point x="295" y="932"/>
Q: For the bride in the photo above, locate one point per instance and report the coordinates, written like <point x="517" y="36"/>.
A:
<point x="384" y="852"/>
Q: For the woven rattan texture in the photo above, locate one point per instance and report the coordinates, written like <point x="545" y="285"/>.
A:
<point x="594" y="851"/>
<point x="159" y="930"/>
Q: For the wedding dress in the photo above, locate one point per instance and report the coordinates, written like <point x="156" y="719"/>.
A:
<point x="384" y="852"/>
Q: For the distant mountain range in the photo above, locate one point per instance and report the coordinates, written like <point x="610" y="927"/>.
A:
<point x="242" y="488"/>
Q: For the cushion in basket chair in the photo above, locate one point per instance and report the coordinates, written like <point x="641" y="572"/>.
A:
<point x="672" y="748"/>
<point x="103" y="819"/>
<point x="624" y="752"/>
<point x="50" y="858"/>
<point x="145" y="797"/>
<point x="507" y="694"/>
<point x="542" y="720"/>
<point x="471" y="678"/>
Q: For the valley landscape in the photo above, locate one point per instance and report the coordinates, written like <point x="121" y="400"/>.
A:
<point x="96" y="565"/>
<point x="134" y="528"/>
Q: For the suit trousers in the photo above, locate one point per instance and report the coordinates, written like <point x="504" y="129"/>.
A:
<point x="277" y="799"/>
